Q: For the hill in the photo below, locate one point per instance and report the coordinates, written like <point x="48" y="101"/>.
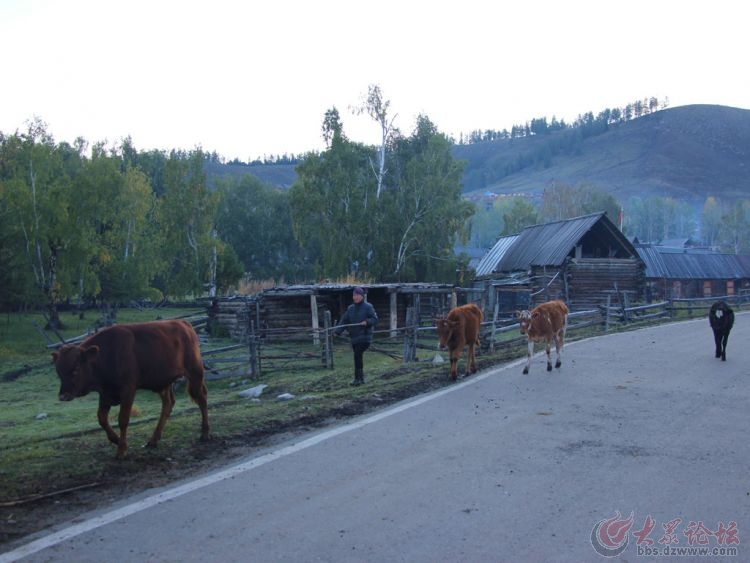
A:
<point x="687" y="152"/>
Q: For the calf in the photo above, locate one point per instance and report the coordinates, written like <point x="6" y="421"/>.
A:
<point x="118" y="360"/>
<point x="721" y="318"/>
<point x="457" y="331"/>
<point x="547" y="323"/>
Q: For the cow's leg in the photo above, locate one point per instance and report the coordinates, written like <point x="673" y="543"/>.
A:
<point x="559" y="347"/>
<point x="548" y="350"/>
<point x="167" y="404"/>
<point x="123" y="418"/>
<point x="724" y="339"/>
<point x="718" y="342"/>
<point x="199" y="393"/>
<point x="471" y="363"/>
<point x="529" y="354"/>
<point x="103" y="416"/>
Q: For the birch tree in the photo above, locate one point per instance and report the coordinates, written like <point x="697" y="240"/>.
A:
<point x="38" y="199"/>
<point x="377" y="108"/>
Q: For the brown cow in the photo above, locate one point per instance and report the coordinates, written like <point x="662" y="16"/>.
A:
<point x="118" y="360"/>
<point x="458" y="330"/>
<point x="547" y="323"/>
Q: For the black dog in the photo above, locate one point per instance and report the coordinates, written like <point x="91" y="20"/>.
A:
<point x="721" y="318"/>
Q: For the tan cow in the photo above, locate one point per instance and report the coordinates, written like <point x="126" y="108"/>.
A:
<point x="460" y="329"/>
<point x="547" y="323"/>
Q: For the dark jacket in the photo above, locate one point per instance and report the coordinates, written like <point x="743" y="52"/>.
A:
<point x="355" y="314"/>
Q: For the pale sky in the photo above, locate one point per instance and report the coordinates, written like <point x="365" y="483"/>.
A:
<point x="254" y="78"/>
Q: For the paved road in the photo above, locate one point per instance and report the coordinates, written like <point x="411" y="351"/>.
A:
<point x="499" y="467"/>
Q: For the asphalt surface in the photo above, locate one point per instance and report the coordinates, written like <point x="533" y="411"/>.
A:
<point x="499" y="467"/>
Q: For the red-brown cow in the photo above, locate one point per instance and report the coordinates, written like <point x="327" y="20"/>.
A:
<point x="118" y="360"/>
<point x="547" y="323"/>
<point x="458" y="330"/>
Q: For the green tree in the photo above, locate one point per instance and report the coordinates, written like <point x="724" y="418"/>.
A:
<point x="186" y="215"/>
<point x="422" y="216"/>
<point x="329" y="201"/>
<point x="735" y="227"/>
<point x="711" y="221"/>
<point x="563" y="201"/>
<point x="486" y="224"/>
<point x="16" y="282"/>
<point x="254" y="220"/>
<point x="38" y="198"/>
<point x="520" y="213"/>
<point x="129" y="244"/>
<point x="656" y="218"/>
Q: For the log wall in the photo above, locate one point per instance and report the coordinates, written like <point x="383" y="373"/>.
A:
<point x="592" y="281"/>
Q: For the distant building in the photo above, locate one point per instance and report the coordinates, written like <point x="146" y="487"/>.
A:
<point x="680" y="271"/>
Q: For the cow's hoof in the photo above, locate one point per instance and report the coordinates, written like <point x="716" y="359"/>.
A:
<point x="549" y="367"/>
<point x="526" y="371"/>
<point x="558" y="364"/>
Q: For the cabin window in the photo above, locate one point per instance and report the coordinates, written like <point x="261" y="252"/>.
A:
<point x="730" y="287"/>
<point x="706" y="288"/>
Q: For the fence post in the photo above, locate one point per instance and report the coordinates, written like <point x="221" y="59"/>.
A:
<point x="314" y="318"/>
<point x="494" y="323"/>
<point x="327" y="340"/>
<point x="410" y="336"/>
<point x="625" y="306"/>
<point x="254" y="349"/>
<point x="394" y="314"/>
<point x="606" y="313"/>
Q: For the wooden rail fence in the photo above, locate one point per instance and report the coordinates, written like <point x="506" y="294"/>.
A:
<point x="306" y="348"/>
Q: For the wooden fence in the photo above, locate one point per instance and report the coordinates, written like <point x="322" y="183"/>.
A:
<point x="306" y="348"/>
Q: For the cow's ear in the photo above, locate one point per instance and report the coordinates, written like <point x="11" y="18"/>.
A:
<point x="55" y="355"/>
<point x="535" y="315"/>
<point x="90" y="353"/>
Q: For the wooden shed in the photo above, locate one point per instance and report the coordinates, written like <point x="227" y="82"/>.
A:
<point x="586" y="261"/>
<point x="301" y="310"/>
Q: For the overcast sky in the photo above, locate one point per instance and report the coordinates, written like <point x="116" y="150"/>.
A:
<point x="254" y="78"/>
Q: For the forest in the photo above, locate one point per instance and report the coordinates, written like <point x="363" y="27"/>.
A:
<point x="83" y="226"/>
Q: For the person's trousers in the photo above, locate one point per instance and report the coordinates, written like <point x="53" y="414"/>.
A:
<point x="359" y="350"/>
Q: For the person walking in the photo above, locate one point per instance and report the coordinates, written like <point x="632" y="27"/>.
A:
<point x="358" y="320"/>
